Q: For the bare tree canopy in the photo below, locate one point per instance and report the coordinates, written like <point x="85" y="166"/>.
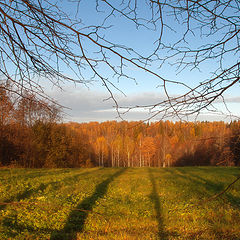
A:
<point x="42" y="40"/>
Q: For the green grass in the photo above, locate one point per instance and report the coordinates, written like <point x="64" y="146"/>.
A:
<point x="119" y="203"/>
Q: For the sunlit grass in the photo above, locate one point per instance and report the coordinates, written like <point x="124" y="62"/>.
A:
<point x="118" y="203"/>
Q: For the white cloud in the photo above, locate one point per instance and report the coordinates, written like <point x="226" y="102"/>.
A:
<point x="88" y="105"/>
<point x="232" y="99"/>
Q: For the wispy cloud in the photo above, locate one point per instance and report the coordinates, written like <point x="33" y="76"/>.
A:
<point x="232" y="99"/>
<point x="88" y="105"/>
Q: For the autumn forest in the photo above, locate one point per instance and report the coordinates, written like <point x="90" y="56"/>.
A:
<point x="32" y="136"/>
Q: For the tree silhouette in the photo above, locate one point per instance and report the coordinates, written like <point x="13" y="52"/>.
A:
<point x="40" y="40"/>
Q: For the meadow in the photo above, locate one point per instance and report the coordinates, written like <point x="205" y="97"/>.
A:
<point x="119" y="203"/>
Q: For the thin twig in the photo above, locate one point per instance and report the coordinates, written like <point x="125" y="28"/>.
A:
<point x="46" y="205"/>
<point x="222" y="192"/>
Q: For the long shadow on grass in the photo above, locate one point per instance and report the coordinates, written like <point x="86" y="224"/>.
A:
<point x="156" y="200"/>
<point x="11" y="222"/>
<point x="194" y="185"/>
<point x="217" y="188"/>
<point x="23" y="195"/>
<point x="33" y="173"/>
<point x="29" y="192"/>
<point x="76" y="219"/>
<point x="210" y="186"/>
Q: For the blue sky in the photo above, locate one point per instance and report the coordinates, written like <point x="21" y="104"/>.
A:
<point x="87" y="103"/>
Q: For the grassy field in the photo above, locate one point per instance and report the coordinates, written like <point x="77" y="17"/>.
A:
<point x="118" y="203"/>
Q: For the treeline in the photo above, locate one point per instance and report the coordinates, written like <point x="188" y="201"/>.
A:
<point x="160" y="144"/>
<point x="31" y="136"/>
